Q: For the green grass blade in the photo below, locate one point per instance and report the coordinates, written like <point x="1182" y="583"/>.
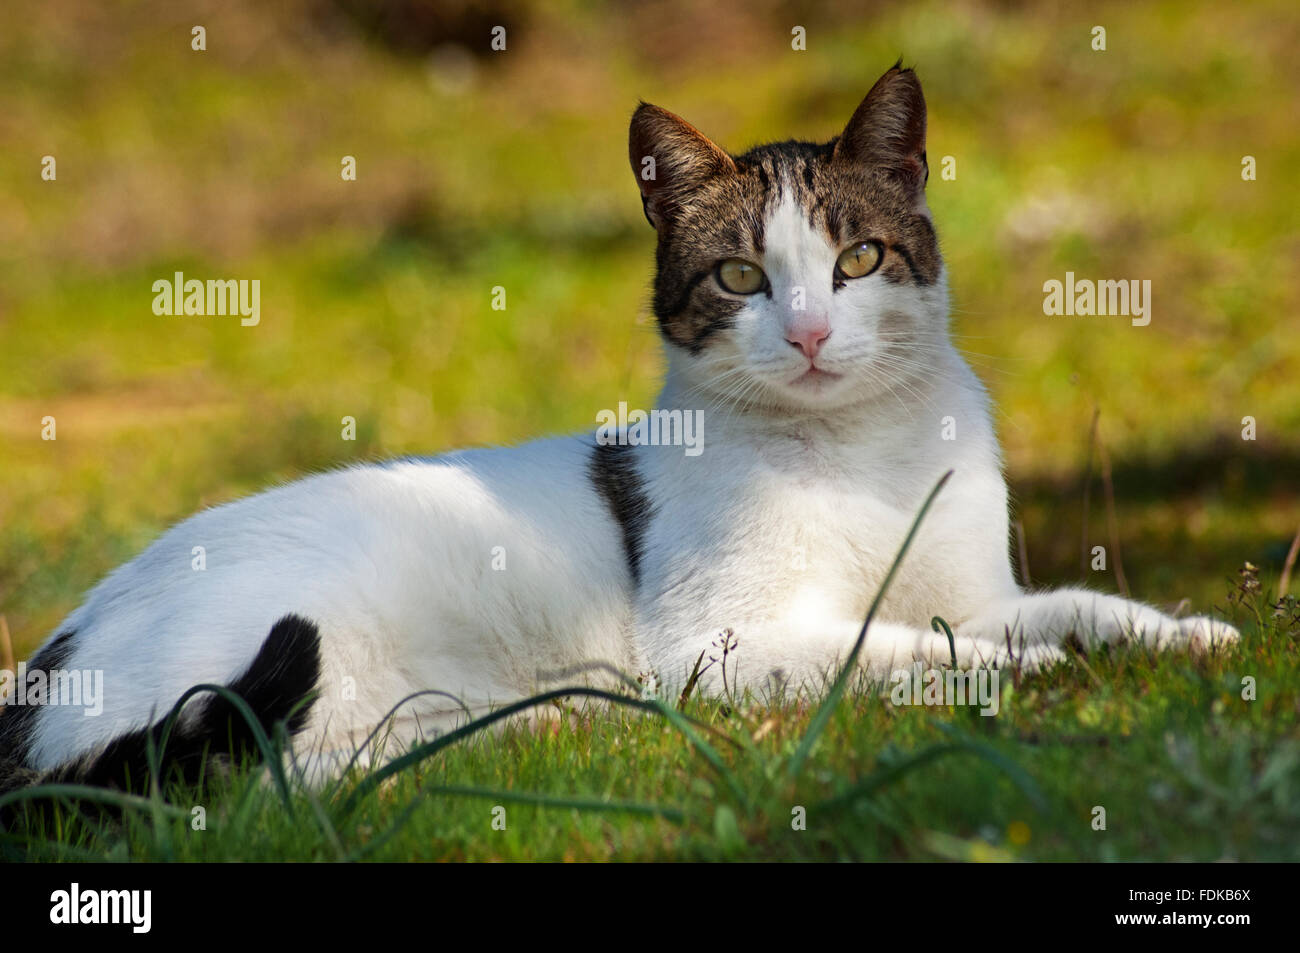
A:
<point x="710" y="753"/>
<point x="428" y="749"/>
<point x="272" y="758"/>
<point x="1018" y="775"/>
<point x="887" y="775"/>
<point x="85" y="792"/>
<point x="827" y="707"/>
<point x="936" y="624"/>
<point x="374" y="732"/>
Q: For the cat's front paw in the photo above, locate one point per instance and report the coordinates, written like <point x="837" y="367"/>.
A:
<point x="1030" y="658"/>
<point x="1203" y="635"/>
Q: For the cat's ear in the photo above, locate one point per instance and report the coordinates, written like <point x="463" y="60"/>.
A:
<point x="887" y="131"/>
<point x="670" y="159"/>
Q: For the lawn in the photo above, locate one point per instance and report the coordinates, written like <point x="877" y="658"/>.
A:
<point x="478" y="170"/>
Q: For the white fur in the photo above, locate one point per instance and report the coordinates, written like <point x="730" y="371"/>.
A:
<point x="781" y="530"/>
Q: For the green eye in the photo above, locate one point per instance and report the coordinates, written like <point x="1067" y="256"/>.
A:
<point x="740" y="277"/>
<point x="858" y="261"/>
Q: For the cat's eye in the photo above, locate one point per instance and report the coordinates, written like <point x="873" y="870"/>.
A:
<point x="858" y="261"/>
<point x="741" y="277"/>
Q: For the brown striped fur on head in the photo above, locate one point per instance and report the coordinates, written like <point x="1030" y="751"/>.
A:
<point x="867" y="184"/>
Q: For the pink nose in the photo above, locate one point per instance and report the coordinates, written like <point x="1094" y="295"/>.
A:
<point x="808" y="334"/>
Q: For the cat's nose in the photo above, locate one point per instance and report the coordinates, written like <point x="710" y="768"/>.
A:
<point x="808" y="333"/>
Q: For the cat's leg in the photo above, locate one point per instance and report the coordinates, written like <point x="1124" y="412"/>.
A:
<point x="1051" y="619"/>
<point x="765" y="657"/>
<point x="890" y="647"/>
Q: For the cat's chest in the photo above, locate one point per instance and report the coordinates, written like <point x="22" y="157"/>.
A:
<point x="819" y="526"/>
<point x="786" y="523"/>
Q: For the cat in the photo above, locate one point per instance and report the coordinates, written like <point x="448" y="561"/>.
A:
<point x="801" y="299"/>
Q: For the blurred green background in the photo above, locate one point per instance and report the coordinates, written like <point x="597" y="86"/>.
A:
<point x="479" y="168"/>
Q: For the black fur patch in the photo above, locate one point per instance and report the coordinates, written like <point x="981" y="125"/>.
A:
<point x="613" y="472"/>
<point x="18" y="722"/>
<point x="283" y="674"/>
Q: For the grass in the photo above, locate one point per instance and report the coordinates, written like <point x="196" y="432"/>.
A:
<point x="376" y="304"/>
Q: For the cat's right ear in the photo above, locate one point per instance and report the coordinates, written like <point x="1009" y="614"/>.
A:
<point x="670" y="159"/>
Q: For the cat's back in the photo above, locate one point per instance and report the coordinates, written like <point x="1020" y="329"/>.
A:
<point x="428" y="511"/>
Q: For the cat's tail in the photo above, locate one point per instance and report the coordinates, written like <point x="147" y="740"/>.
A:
<point x="279" y="685"/>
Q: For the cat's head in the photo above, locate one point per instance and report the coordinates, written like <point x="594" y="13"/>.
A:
<point x="796" y="275"/>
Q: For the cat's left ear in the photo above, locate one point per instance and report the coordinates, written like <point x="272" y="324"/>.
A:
<point x="887" y="131"/>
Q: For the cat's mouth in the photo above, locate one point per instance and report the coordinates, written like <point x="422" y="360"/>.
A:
<point x="815" y="376"/>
